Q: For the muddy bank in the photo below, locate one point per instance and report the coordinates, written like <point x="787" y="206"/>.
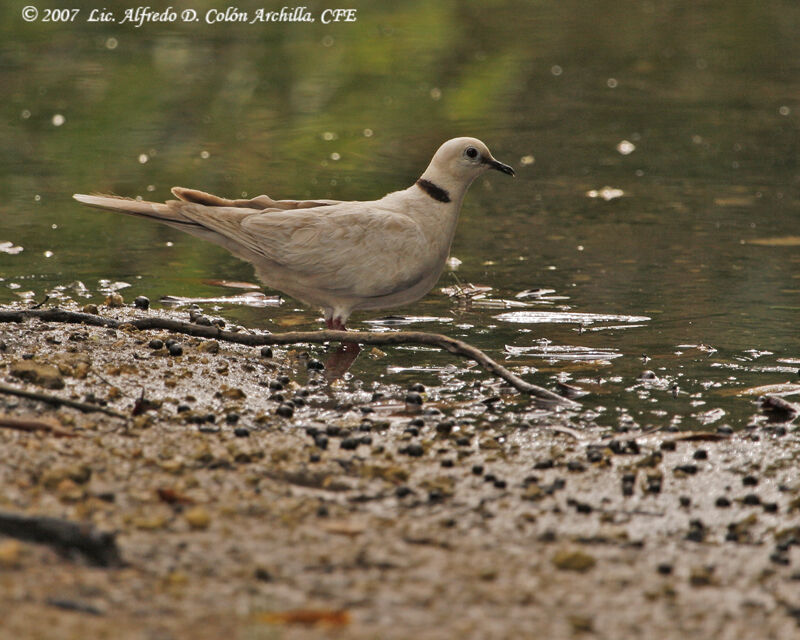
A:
<point x="253" y="498"/>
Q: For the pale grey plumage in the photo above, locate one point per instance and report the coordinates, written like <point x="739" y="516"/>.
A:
<point x="340" y="256"/>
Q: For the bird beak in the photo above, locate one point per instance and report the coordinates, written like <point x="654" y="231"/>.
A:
<point x="499" y="166"/>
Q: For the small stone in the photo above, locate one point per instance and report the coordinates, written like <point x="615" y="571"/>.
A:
<point x="700" y="454"/>
<point x="197" y="517"/>
<point x="314" y="365"/>
<point x="414" y="450"/>
<point x="500" y="484"/>
<point x="241" y="432"/>
<point x="447" y="463"/>
<point x="209" y="346"/>
<point x="232" y="418"/>
<point x="573" y="561"/>
<point x="175" y="349"/>
<point x="285" y="410"/>
<point x="349" y="443"/>
<point x="664" y="568"/>
<point x="114" y="300"/>
<point x="321" y="441"/>
<point x="445" y="427"/>
<point x="266" y="352"/>
<point x="156" y="344"/>
<point x="751" y="499"/>
<point x="402" y="492"/>
<point x="45" y="375"/>
<point x="10" y="551"/>
<point x="723" y="502"/>
<point x="477" y="469"/>
<point x="413" y="402"/>
<point x="770" y="507"/>
<point x="574" y="465"/>
<point x="689" y="469"/>
<point x="685" y="501"/>
<point x="697" y="531"/>
<point x="142" y="302"/>
<point x="414" y="431"/>
<point x="90" y="308"/>
<point x="749" y="481"/>
<point x="203" y="321"/>
<point x="463" y="441"/>
<point x="275" y="385"/>
<point x="668" y="445"/>
<point x="417" y="388"/>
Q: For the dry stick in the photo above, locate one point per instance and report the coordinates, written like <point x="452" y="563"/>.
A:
<point x="452" y="345"/>
<point x="86" y="407"/>
<point x="29" y="424"/>
<point x="98" y="547"/>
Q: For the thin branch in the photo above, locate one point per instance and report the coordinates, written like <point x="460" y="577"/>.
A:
<point x="86" y="407"/>
<point x="446" y="343"/>
<point x="98" y="547"/>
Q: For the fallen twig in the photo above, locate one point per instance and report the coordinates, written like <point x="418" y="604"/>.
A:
<point x="98" y="547"/>
<point x="457" y="347"/>
<point x="29" y="424"/>
<point x="86" y="407"/>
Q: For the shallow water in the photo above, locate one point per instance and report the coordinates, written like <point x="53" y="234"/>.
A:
<point x="656" y="146"/>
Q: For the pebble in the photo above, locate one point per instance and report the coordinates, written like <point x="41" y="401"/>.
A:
<point x="700" y="454"/>
<point x="628" y="484"/>
<point x="477" y="469"/>
<point x="414" y="450"/>
<point x="314" y="365"/>
<point x="197" y="517"/>
<point x="314" y="457"/>
<point x="142" y="302"/>
<point x="175" y="349"/>
<point x="156" y="344"/>
<point x="417" y="387"/>
<point x="266" y="352"/>
<point x="416" y="422"/>
<point x="447" y="463"/>
<point x="697" y="531"/>
<point x="463" y="441"/>
<point x="285" y="410"/>
<point x="723" y="502"/>
<point x="413" y="402"/>
<point x="349" y="443"/>
<point x="689" y="469"/>
<point x="414" y="431"/>
<point x="445" y="427"/>
<point x="749" y="481"/>
<point x="751" y="499"/>
<point x="664" y="568"/>
<point x="232" y="418"/>
<point x="402" y="492"/>
<point x="203" y="321"/>
<point x="685" y="501"/>
<point x="500" y="484"/>
<point x="241" y="432"/>
<point x="321" y="441"/>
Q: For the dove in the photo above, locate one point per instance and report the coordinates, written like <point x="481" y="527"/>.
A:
<point x="341" y="256"/>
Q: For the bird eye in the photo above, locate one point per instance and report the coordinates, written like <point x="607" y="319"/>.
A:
<point x="471" y="152"/>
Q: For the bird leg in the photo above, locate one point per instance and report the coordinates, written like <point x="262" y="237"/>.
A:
<point x="340" y="360"/>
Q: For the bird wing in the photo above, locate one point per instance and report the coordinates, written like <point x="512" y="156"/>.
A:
<point x="259" y="202"/>
<point x="358" y="249"/>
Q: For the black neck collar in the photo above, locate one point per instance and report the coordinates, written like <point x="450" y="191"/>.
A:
<point x="435" y="192"/>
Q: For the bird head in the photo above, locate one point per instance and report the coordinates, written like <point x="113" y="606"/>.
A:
<point x="460" y="160"/>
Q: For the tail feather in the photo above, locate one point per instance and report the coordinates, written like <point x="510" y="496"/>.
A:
<point x="156" y="210"/>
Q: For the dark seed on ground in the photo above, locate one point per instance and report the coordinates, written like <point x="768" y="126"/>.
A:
<point x="232" y="418"/>
<point x="723" y="502"/>
<point x="183" y="407"/>
<point x="314" y="365"/>
<point x="489" y="477"/>
<point x="141" y="302"/>
<point x="367" y="440"/>
<point x="416" y="422"/>
<point x="414" y="450"/>
<point x="349" y="443"/>
<point x="544" y="464"/>
<point x="574" y="465"/>
<point x="447" y="463"/>
<point x="749" y="481"/>
<point x="402" y="492"/>
<point x="321" y="441"/>
<point x="697" y="531"/>
<point x="285" y="410"/>
<point x="463" y="441"/>
<point x="500" y="484"/>
<point x="664" y="569"/>
<point x="668" y="445"/>
<point x="155" y="343"/>
<point x="314" y="457"/>
<point x="685" y="501"/>
<point x="175" y="349"/>
<point x="241" y="432"/>
<point x="477" y="469"/>
<point x="770" y="507"/>
<point x="414" y="431"/>
<point x="417" y="387"/>
<point x="284" y="379"/>
<point x="690" y="469"/>
<point x="700" y="454"/>
<point x="333" y="430"/>
<point x="266" y="352"/>
<point x="751" y="499"/>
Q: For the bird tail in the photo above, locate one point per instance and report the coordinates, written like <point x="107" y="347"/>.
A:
<point x="161" y="212"/>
